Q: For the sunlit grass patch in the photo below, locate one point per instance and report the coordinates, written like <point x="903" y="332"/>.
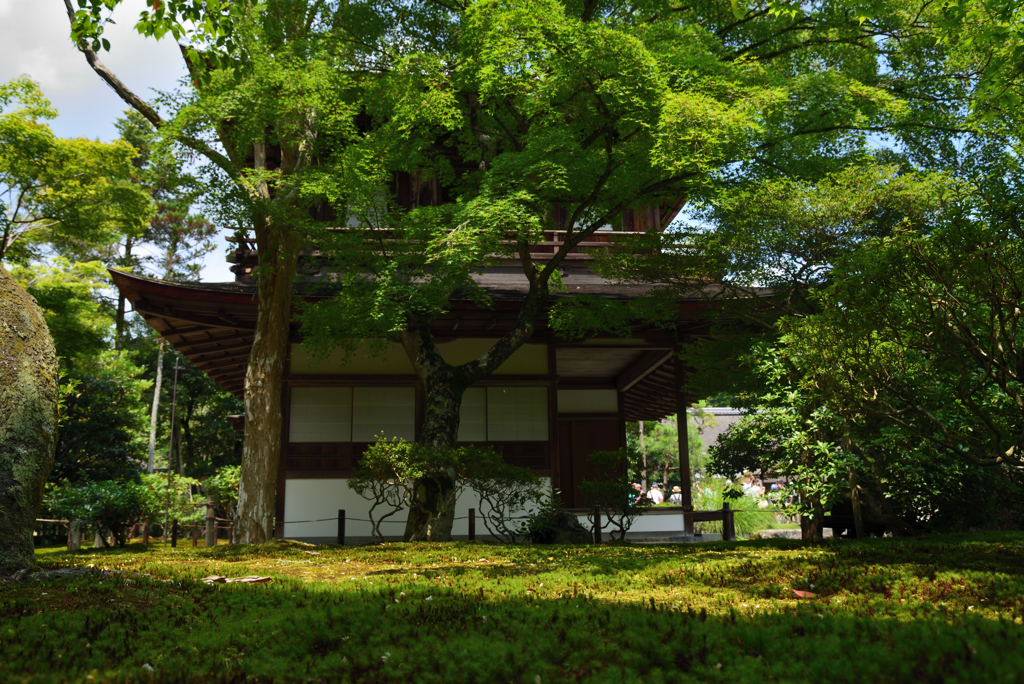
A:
<point x="940" y="609"/>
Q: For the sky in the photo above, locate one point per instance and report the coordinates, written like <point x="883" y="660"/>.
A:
<point x="34" y="36"/>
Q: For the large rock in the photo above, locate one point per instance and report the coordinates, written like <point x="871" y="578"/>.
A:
<point x="28" y="420"/>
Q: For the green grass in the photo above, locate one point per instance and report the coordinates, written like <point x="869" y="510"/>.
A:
<point x="937" y="610"/>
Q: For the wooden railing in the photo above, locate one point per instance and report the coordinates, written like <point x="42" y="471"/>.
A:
<point x="552" y="242"/>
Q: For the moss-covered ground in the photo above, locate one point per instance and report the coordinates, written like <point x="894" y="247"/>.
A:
<point x="940" y="609"/>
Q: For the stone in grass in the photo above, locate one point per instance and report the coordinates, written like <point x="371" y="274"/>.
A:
<point x="28" y="420"/>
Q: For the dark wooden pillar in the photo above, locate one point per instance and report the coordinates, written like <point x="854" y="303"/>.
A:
<point x="621" y="396"/>
<point x="684" y="441"/>
<point x="554" y="453"/>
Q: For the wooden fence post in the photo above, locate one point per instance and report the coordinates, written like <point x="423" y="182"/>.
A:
<point x="211" y="523"/>
<point x="472" y="524"/>
<point x="597" y="524"/>
<point x="728" y="523"/>
<point x="341" y="527"/>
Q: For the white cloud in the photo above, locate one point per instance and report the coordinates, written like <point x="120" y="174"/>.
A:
<point x="34" y="34"/>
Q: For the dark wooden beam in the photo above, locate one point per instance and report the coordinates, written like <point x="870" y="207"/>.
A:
<point x="215" y="371"/>
<point x="192" y="344"/>
<point x="227" y="377"/>
<point x="641" y="368"/>
<point x="146" y="307"/>
<point x="207" y="347"/>
<point x="216" y="359"/>
<point x="571" y="383"/>
<point x="181" y="332"/>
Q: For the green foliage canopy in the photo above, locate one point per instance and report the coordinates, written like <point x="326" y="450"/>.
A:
<point x="101" y="506"/>
<point x="102" y="423"/>
<point x="58" y="192"/>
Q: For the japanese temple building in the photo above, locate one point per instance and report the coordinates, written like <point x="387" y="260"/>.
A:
<point x="547" y="408"/>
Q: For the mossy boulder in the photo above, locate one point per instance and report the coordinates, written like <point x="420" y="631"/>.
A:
<point x="28" y="420"/>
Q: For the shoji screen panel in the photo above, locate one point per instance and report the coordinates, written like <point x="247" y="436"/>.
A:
<point x="390" y="411"/>
<point x="517" y="414"/>
<point x="473" y="415"/>
<point x="321" y="414"/>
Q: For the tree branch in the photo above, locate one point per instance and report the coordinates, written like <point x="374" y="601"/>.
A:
<point x="113" y="81"/>
<point x="140" y="105"/>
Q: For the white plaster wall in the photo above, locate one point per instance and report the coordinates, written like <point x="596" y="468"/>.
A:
<point x="588" y="401"/>
<point x="530" y="359"/>
<point x="314" y="499"/>
<point x="320" y="498"/>
<point x="653" y="524"/>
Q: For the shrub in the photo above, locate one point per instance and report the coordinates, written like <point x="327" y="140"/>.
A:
<point x="382" y="476"/>
<point x="613" y="493"/>
<point x="389" y="468"/>
<point x="101" y="506"/>
<point x="180" y="505"/>
<point x="711" y="492"/>
<point x="551" y="523"/>
<point x="505" y="491"/>
<point x="223" y="486"/>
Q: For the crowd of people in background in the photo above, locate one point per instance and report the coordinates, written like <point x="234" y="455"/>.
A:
<point x="656" y="494"/>
<point x="778" y="495"/>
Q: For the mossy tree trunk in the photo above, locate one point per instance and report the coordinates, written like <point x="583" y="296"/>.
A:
<point x="432" y="510"/>
<point x="28" y="420"/>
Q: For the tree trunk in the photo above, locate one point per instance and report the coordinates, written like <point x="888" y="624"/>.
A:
<point x="186" y="428"/>
<point x="432" y="509"/>
<point x="811" y="528"/>
<point x="261" y="453"/>
<point x="177" y="466"/>
<point x="28" y="420"/>
<point x="858" y="520"/>
<point x="119" y="320"/>
<point x="156" y="406"/>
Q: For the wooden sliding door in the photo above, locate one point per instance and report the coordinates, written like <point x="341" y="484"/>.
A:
<point x="577" y="439"/>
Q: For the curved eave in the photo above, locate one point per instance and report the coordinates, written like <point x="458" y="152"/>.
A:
<point x="212" y="325"/>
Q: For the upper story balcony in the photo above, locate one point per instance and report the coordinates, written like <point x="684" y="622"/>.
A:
<point x="409" y="191"/>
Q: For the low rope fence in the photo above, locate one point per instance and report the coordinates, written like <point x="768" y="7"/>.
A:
<point x="725" y="515"/>
<point x="214" y="525"/>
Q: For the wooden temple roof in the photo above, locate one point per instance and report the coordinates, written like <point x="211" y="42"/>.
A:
<point x="213" y="325"/>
